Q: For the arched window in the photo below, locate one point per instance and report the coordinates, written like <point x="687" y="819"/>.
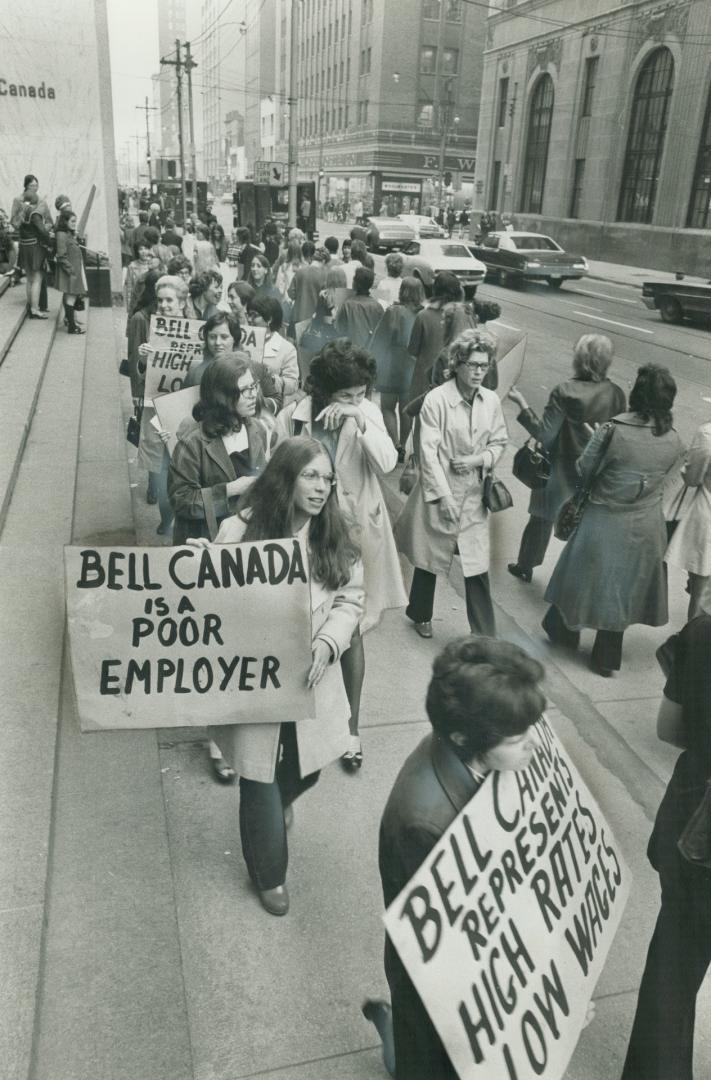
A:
<point x="538" y="138"/>
<point x="700" y="204"/>
<point x="648" y="127"/>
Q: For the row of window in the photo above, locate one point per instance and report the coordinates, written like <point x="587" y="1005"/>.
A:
<point x="432" y="9"/>
<point x="329" y="120"/>
<point x="326" y="79"/>
<point x="322" y="39"/>
<point x="428" y="61"/>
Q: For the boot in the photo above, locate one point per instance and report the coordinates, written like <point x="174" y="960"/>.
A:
<point x="72" y="327"/>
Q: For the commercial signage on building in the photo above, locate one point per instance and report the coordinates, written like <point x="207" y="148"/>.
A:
<point x="401" y="185"/>
<point x="400" y="161"/>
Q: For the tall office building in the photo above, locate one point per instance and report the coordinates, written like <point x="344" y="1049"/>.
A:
<point x="219" y="52"/>
<point x="260" y="62"/>
<point x="171" y="26"/>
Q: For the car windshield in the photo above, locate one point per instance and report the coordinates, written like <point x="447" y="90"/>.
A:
<point x="456" y="251"/>
<point x="534" y="243"/>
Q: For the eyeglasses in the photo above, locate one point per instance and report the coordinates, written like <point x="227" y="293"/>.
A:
<point x="474" y="365"/>
<point x="251" y="389"/>
<point x="311" y="476"/>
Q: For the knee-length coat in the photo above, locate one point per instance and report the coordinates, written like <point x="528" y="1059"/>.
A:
<point x="452" y="427"/>
<point x="690" y="546"/>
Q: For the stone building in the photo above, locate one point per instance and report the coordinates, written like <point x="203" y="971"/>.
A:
<point x="595" y="126"/>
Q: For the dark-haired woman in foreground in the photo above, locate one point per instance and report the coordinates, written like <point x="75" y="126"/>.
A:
<point x="295" y="496"/>
<point x="611" y="572"/>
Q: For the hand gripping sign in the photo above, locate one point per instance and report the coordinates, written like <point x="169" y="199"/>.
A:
<point x="505" y="927"/>
<point x="171" y="637"/>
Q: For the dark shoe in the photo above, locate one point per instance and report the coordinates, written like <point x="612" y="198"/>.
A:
<point x="275" y="901"/>
<point x="424" y="629"/>
<point x="151" y="497"/>
<point x="223" y="773"/>
<point x="520" y="573"/>
<point x="353" y="757"/>
<point x="76" y="329"/>
<point x="606" y="672"/>
<point x="38" y="315"/>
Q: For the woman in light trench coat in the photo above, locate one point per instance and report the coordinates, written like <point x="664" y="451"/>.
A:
<point x="462" y="436"/>
<point x="352" y="431"/>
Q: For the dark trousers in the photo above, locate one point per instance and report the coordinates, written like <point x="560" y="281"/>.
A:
<point x="534" y="542"/>
<point x="480" y="610"/>
<point x="261" y="814"/>
<point x="607" y="648"/>
<point x="661" y="1044"/>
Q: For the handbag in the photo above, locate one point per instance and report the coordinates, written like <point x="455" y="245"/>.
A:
<point x="673" y="521"/>
<point x="531" y="465"/>
<point x="124" y="368"/>
<point x="694" y="844"/>
<point x="571" y="512"/>
<point x="133" y="430"/>
<point x="495" y="495"/>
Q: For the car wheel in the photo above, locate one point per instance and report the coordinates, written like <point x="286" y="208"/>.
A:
<point x="670" y="309"/>
<point x="555" y="283"/>
<point x="503" y="277"/>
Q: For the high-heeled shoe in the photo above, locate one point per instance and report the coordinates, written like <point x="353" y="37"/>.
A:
<point x="353" y="757"/>
<point x="520" y="572"/>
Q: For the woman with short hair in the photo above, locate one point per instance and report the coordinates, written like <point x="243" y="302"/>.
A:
<point x="574" y="407"/>
<point x="427" y="339"/>
<point x="205" y="294"/>
<point x="395" y="363"/>
<point x="238" y="295"/>
<point x="611" y="572"/>
<point x="387" y="290"/>
<point x="359" y="315"/>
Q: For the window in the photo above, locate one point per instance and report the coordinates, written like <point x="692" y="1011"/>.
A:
<point x="454" y="10"/>
<point x="425" y="114"/>
<point x="577" y="192"/>
<point x="503" y="100"/>
<point x="537" y="141"/>
<point x="450" y="61"/>
<point x="495" y="182"/>
<point x="645" y="142"/>
<point x="700" y="205"/>
<point x="430" y="9"/>
<point x="428" y="60"/>
<point x="589" y="86"/>
<point x="348" y="69"/>
<point x="368" y="57"/>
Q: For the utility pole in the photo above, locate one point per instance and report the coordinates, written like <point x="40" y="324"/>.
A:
<point x="148" y="108"/>
<point x="178" y="65"/>
<point x="293" y="118"/>
<point x="189" y="65"/>
<point x="445" y="111"/>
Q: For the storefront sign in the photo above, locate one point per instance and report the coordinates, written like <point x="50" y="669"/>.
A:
<point x="505" y="927"/>
<point x="402" y="186"/>
<point x="178" y="637"/>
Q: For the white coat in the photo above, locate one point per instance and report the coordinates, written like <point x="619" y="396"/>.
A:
<point x="252" y="749"/>
<point x="360" y="456"/>
<point x="690" y="546"/>
<point x="449" y="428"/>
<point x="280" y="357"/>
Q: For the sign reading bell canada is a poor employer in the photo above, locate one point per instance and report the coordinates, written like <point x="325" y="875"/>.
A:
<point x="505" y="927"/>
<point x="178" y="346"/>
<point x="182" y="637"/>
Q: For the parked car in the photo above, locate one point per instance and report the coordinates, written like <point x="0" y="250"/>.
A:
<point x="425" y="227"/>
<point x="514" y="257"/>
<point x="226" y="198"/>
<point x="451" y="255"/>
<point x="674" y="300"/>
<point x="388" y="234"/>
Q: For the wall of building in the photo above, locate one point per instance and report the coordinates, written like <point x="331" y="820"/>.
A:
<point x="56" y="114"/>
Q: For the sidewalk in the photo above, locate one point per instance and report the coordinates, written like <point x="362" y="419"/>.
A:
<point x="634" y="276"/>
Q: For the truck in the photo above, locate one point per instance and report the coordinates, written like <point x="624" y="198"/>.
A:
<point x="255" y="204"/>
<point x="676" y="300"/>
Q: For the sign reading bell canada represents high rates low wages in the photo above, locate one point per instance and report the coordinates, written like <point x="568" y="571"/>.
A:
<point x="178" y="346"/>
<point x="182" y="637"/>
<point x="505" y="927"/>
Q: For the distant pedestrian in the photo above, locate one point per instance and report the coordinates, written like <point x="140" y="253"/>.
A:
<point x="388" y="288"/>
<point x="427" y="338"/>
<point x="394" y="361"/>
<point x="690" y="547"/>
<point x="360" y="314"/>
<point x="71" y="279"/>
<point x="204" y="254"/>
<point x="35" y="245"/>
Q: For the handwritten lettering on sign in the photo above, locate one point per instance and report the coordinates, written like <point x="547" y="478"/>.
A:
<point x="171" y="637"/>
<point x="505" y="927"/>
<point x="177" y="347"/>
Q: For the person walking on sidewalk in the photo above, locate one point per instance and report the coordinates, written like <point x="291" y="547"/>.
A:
<point x="574" y="407"/>
<point x="462" y="436"/>
<point x="690" y="546"/>
<point x="611" y="572"/>
<point x="661" y="1045"/>
<point x="71" y="279"/>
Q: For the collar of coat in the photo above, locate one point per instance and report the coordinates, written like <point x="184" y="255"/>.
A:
<point x="454" y="396"/>
<point x="457" y="781"/>
<point x="215" y="447"/>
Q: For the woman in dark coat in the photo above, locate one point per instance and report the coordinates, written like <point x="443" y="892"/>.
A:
<point x="661" y="1044"/>
<point x="611" y="572"/>
<point x="574" y="407"/>
<point x="395" y="363"/>
<point x="427" y="339"/>
<point x="71" y="279"/>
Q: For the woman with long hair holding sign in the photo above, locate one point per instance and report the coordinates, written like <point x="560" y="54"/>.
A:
<point x="295" y="496"/>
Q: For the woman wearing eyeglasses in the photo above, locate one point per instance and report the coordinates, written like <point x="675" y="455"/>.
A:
<point x="462" y="436"/>
<point x="295" y="496"/>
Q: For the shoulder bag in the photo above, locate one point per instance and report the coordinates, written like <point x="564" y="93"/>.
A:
<point x="571" y="512"/>
<point x="531" y="465"/>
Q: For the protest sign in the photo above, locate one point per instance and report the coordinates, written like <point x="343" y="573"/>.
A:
<point x="252" y="341"/>
<point x="178" y="637"/>
<point x="172" y="409"/>
<point x="177" y="346"/>
<point x="505" y="927"/>
<point x="510" y="355"/>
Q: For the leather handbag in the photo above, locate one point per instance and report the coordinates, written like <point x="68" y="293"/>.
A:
<point x="694" y="844"/>
<point x="495" y="495"/>
<point x="133" y="430"/>
<point x="571" y="512"/>
<point x="531" y="465"/>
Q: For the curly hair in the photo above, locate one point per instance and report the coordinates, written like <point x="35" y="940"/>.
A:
<point x="487" y="690"/>
<point x="202" y="282"/>
<point x="469" y="341"/>
<point x="174" y="282"/>
<point x="338" y="366"/>
<point x="394" y="264"/>
<point x="592" y="356"/>
<point x="652" y="397"/>
<point x="269" y="309"/>
<point x="178" y="263"/>
<point x="268" y="509"/>
<point x="219" y="393"/>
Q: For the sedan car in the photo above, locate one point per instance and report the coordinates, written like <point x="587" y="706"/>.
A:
<point x="514" y="257"/>
<point x="388" y="234"/>
<point x="438" y="255"/>
<point x="425" y="227"/>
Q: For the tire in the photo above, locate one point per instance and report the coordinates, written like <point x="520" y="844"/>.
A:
<point x="670" y="310"/>
<point x="555" y="283"/>
<point x="502" y="278"/>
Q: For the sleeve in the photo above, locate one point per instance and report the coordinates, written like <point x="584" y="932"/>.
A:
<point x="284" y="426"/>
<point x="376" y="444"/>
<point x="342" y="320"/>
<point x="62" y="257"/>
<point x="592" y="454"/>
<point x="434" y="480"/>
<point x="345" y="614"/>
<point x="185" y="484"/>
<point x="496" y="443"/>
<point x="547" y="428"/>
<point x="416" y="338"/>
<point x="699" y="458"/>
<point x="289" y="369"/>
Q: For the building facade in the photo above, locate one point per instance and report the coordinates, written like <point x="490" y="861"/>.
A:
<point x="595" y="126"/>
<point x="261" y="47"/>
<point x="219" y="77"/>
<point x="171" y="27"/>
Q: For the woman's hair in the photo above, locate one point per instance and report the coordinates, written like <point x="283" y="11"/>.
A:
<point x="336" y="278"/>
<point x="138" y="244"/>
<point x="307" y="250"/>
<point x="652" y="397"/>
<point x="411" y="292"/>
<point x="363" y="281"/>
<point x="486" y="690"/>
<point x="358" y="251"/>
<point x="151" y="236"/>
<point x="339" y="365"/>
<point x="178" y="263"/>
<point x="202" y="282"/>
<point x="243" y="289"/>
<point x="148" y="297"/>
<point x="29" y="179"/>
<point x="202" y="231"/>
<point x="216" y="229"/>
<point x="347" y="244"/>
<point x="270" y="506"/>
<point x="263" y="261"/>
<point x="293" y="251"/>
<point x="62" y="224"/>
<point x="219" y="394"/>
<point x="269" y="309"/>
<point x="243" y="235"/>
<point x="592" y="356"/>
<point x="470" y="341"/>
<point x="446" y="288"/>
<point x="174" y="282"/>
<point x="456" y="318"/>
<point x="394" y="264"/>
<point x="216" y="319"/>
<point x="369" y="262"/>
